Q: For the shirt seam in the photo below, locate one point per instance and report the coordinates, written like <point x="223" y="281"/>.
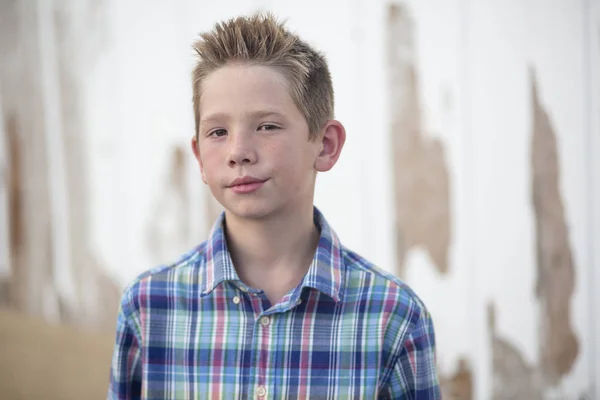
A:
<point x="132" y="318"/>
<point x="397" y="351"/>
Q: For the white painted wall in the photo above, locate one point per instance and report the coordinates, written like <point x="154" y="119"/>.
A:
<point x="473" y="64"/>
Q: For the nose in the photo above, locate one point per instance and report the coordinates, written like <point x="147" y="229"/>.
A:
<point x="241" y="149"/>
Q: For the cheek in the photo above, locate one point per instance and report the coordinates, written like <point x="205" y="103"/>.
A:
<point x="286" y="158"/>
<point x="208" y="151"/>
<point x="296" y="167"/>
<point x="209" y="160"/>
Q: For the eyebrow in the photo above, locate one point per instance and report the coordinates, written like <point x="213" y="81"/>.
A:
<point x="218" y="117"/>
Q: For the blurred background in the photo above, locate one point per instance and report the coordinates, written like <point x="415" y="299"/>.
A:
<point x="471" y="170"/>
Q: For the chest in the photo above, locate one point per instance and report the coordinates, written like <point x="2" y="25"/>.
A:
<point x="233" y="345"/>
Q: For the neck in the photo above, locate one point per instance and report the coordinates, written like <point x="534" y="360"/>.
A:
<point x="272" y="254"/>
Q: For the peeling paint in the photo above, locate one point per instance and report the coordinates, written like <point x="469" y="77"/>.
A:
<point x="34" y="285"/>
<point x="459" y="385"/>
<point x="169" y="232"/>
<point x="513" y="377"/>
<point x="422" y="187"/>
<point x="559" y="346"/>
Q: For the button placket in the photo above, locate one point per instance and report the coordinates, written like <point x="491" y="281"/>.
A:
<point x="261" y="391"/>
<point x="264" y="333"/>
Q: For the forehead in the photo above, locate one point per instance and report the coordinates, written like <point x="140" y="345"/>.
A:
<point x="242" y="89"/>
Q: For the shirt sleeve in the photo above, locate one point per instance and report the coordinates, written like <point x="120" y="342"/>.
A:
<point x="125" y="374"/>
<point x="414" y="375"/>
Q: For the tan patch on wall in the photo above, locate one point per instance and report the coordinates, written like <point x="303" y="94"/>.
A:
<point x="555" y="284"/>
<point x="169" y="233"/>
<point x="13" y="288"/>
<point x="513" y="378"/>
<point x="15" y="206"/>
<point x="28" y="186"/>
<point x="421" y="179"/>
<point x="459" y="385"/>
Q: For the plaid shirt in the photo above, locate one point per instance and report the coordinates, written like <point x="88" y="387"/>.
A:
<point x="347" y="331"/>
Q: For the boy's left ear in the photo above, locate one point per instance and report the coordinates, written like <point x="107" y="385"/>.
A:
<point x="332" y="141"/>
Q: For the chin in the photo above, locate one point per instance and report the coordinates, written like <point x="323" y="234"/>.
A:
<point x="259" y="207"/>
<point x="251" y="211"/>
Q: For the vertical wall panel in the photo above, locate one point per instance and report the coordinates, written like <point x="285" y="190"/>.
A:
<point x="592" y="23"/>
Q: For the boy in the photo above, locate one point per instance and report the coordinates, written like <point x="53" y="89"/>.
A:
<point x="271" y="305"/>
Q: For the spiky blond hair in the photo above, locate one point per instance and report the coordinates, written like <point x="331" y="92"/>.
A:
<point x="261" y="39"/>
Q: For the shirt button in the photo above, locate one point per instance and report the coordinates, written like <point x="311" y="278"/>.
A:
<point x="264" y="321"/>
<point x="298" y="302"/>
<point x="261" y="391"/>
<point x="236" y="300"/>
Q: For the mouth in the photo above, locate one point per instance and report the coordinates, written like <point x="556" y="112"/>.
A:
<point x="246" y="184"/>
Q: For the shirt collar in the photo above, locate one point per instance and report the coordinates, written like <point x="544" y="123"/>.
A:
<point x="325" y="273"/>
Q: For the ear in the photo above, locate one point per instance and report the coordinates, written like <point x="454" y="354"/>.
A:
<point x="332" y="141"/>
<point x="196" y="149"/>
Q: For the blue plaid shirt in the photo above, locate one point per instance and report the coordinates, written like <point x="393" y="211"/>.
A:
<point x="193" y="329"/>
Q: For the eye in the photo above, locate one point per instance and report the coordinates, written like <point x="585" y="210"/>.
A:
<point x="268" y="127"/>
<point x="218" y="133"/>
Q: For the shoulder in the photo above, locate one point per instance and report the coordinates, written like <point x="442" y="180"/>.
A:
<point x="366" y="281"/>
<point x="177" y="278"/>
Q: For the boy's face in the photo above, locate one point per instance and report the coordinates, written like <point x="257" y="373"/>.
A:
<point x="253" y="144"/>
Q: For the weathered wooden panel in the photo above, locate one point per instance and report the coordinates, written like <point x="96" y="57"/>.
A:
<point x="34" y="285"/>
<point x="555" y="267"/>
<point x="421" y="179"/>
